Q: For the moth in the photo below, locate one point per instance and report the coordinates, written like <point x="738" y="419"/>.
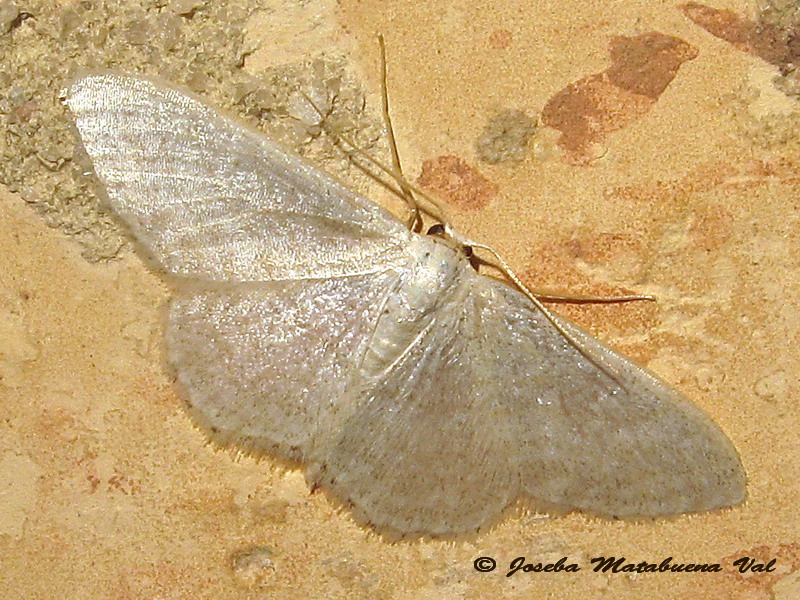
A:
<point x="309" y="324"/>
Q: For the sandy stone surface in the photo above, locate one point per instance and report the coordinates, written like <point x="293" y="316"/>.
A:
<point x="665" y="161"/>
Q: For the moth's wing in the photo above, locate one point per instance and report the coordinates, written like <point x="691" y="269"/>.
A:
<point x="426" y="449"/>
<point x="208" y="198"/>
<point x="429" y="449"/>
<point x="263" y="366"/>
<point x="493" y="404"/>
<point x="614" y="441"/>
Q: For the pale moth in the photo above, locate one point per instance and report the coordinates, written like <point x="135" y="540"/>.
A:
<point x="308" y="324"/>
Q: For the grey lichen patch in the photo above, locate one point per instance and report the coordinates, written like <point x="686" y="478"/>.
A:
<point x="783" y="16"/>
<point x="252" y="567"/>
<point x="195" y="43"/>
<point x="765" y="129"/>
<point x="505" y="137"/>
<point x="309" y="106"/>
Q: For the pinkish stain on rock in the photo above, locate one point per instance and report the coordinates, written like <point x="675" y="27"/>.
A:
<point x="457" y="182"/>
<point x="712" y="226"/>
<point x="705" y="177"/>
<point x="588" y="110"/>
<point x="500" y="39"/>
<point x="773" y="44"/>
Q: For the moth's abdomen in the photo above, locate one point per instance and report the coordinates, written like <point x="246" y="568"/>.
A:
<point x="434" y="276"/>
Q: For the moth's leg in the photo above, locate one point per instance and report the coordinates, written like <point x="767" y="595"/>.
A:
<point x="546" y="296"/>
<point x="402" y="188"/>
<point x="503" y="266"/>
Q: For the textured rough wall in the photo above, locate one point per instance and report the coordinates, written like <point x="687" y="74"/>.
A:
<point x="664" y="161"/>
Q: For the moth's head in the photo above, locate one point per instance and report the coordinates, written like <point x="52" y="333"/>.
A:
<point x="443" y="232"/>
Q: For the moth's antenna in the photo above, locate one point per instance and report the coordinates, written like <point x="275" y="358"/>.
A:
<point x="415" y="222"/>
<point x="411" y="193"/>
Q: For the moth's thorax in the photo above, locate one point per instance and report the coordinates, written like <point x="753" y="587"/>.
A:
<point x="436" y="265"/>
<point x="436" y="275"/>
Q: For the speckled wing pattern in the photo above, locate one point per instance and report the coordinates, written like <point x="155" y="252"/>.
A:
<point x="495" y="404"/>
<point x="210" y="199"/>
<point x="308" y="324"/>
